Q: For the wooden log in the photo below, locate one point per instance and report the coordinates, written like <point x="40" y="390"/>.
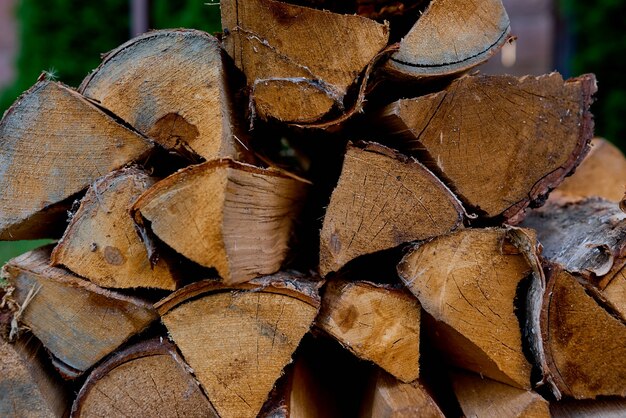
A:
<point x="147" y="379"/>
<point x="101" y="244"/>
<point x="615" y="293"/>
<point x="299" y="58"/>
<point x="53" y="144"/>
<point x="77" y="321"/>
<point x="494" y="130"/>
<point x="232" y="216"/>
<point x="28" y="385"/>
<point x="468" y="281"/>
<point x="173" y="86"/>
<point x="383" y="199"/>
<point x="609" y="407"/>
<point x="434" y="47"/>
<point x="377" y="323"/>
<point x="250" y="330"/>
<point x="584" y="343"/>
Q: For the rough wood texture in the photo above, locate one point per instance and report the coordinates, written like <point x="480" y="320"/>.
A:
<point x="101" y="243"/>
<point x="148" y="379"/>
<point x="78" y="322"/>
<point x="299" y="58"/>
<point x="615" y="293"/>
<point x="172" y="85"/>
<point x="605" y="408"/>
<point x="376" y="323"/>
<point x="53" y="144"/>
<point x="224" y="214"/>
<point x="482" y="397"/>
<point x="250" y="330"/>
<point x="468" y="281"/>
<point x="584" y="343"/>
<point x="28" y="387"/>
<point x="520" y="136"/>
<point x="383" y="199"/>
<point x="434" y="47"/>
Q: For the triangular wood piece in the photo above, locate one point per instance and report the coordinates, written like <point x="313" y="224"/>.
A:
<point x="101" y="243"/>
<point x="615" y="293"/>
<point x="299" y="62"/>
<point x="450" y="37"/>
<point x="238" y="339"/>
<point x="519" y="136"/>
<point x="172" y="85"/>
<point x="375" y="322"/>
<point x="232" y="216"/>
<point x="146" y="379"/>
<point x="53" y="144"/>
<point x="383" y="199"/>
<point x="468" y="282"/>
<point x="77" y="321"/>
<point x="606" y="407"/>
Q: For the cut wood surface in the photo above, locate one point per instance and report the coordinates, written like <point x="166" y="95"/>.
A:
<point x="53" y="144"/>
<point x="231" y="216"/>
<point x="615" y="293"/>
<point x="519" y="136"/>
<point x="468" y="282"/>
<point x="482" y="397"/>
<point x="101" y="243"/>
<point x="584" y="343"/>
<point x="250" y="330"/>
<point x="377" y="323"/>
<point x="77" y="321"/>
<point x="147" y="379"/>
<point x="434" y="46"/>
<point x="383" y="199"/>
<point x="297" y="56"/>
<point x="609" y="407"/>
<point x="172" y="85"/>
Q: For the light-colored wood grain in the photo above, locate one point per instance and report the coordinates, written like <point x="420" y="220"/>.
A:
<point x="615" y="293"/>
<point x="608" y="407"/>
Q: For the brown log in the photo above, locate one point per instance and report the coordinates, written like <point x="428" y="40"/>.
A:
<point x="610" y="407"/>
<point x="232" y="216"/>
<point x="239" y="338"/>
<point x="101" y="243"/>
<point x="615" y="293"/>
<point x="173" y="86"/>
<point x="77" y="321"/>
<point x="520" y="136"/>
<point x="377" y="323"/>
<point x="53" y="144"/>
<point x="147" y="379"/>
<point x="383" y="199"/>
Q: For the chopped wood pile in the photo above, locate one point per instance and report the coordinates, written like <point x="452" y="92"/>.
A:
<point x="322" y="212"/>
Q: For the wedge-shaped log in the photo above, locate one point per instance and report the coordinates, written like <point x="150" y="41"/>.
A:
<point x="376" y="323"/>
<point x="609" y="407"/>
<point x="53" y="144"/>
<point x="239" y="338"/>
<point x="468" y="282"/>
<point x="383" y="199"/>
<point x="615" y="293"/>
<point x="172" y="85"/>
<point x="299" y="62"/>
<point x="224" y="214"/>
<point x="520" y="136"/>
<point x="147" y="379"/>
<point x="101" y="243"/>
<point x="77" y="321"/>
<point x="450" y="37"/>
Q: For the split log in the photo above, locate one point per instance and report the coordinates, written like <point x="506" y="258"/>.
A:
<point x="28" y="386"/>
<point x="615" y="293"/>
<point x="173" y="86"/>
<point x="101" y="243"/>
<point x="231" y="216"/>
<point x="377" y="323"/>
<point x="434" y="47"/>
<point x="520" y="136"/>
<point x="53" y="144"/>
<point x="612" y="407"/>
<point x="77" y="321"/>
<point x="468" y="281"/>
<point x="250" y="330"/>
<point x="299" y="62"/>
<point x="583" y="342"/>
<point x="383" y="199"/>
<point x="147" y="379"/>
<point x="482" y="397"/>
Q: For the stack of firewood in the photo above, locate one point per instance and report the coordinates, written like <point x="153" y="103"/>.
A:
<point x="322" y="213"/>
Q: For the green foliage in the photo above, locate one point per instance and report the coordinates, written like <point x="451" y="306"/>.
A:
<point x="203" y="15"/>
<point x="10" y="249"/>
